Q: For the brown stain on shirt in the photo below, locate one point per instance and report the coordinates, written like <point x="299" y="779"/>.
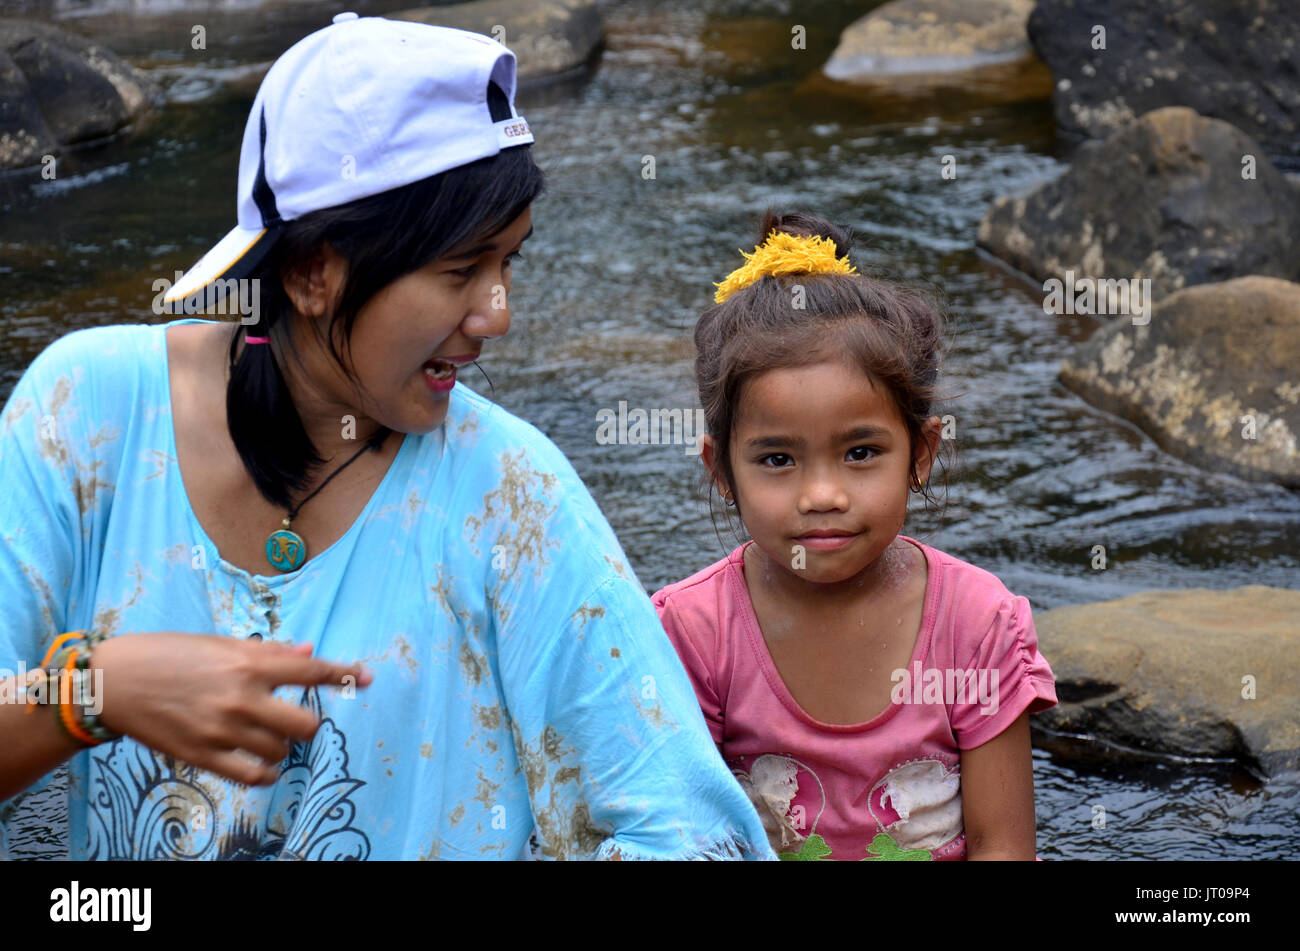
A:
<point x="474" y="668"/>
<point x="565" y="827"/>
<point x="522" y="506"/>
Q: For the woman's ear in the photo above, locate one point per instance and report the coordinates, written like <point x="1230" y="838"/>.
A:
<point x="316" y="286"/>
<point x="926" y="450"/>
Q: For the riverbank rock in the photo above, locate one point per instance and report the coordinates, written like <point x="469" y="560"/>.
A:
<point x="58" y="89"/>
<point x="1164" y="198"/>
<point x="1211" y="378"/>
<point x="1230" y="59"/>
<point x="549" y="37"/>
<point x="931" y="36"/>
<point x="1190" y="673"/>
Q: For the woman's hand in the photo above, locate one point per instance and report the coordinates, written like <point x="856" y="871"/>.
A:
<point x="205" y="698"/>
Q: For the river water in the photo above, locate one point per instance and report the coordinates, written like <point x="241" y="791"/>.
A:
<point x="736" y="119"/>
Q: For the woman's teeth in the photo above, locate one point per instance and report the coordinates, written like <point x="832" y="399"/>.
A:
<point x="439" y="369"/>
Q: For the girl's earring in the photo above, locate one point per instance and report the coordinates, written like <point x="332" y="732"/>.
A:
<point x="728" y="498"/>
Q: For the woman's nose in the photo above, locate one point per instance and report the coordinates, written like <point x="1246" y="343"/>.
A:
<point x="491" y="314"/>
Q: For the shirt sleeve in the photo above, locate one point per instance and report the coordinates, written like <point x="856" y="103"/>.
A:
<point x="1006" y="676"/>
<point x="698" y="668"/>
<point x="47" y="485"/>
<point x="613" y="747"/>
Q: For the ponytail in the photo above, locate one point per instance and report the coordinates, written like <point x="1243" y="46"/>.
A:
<point x="264" y="423"/>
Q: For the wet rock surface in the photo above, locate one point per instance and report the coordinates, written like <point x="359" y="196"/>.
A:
<point x="931" y="36"/>
<point x="1166" y="198"/>
<point x="549" y="37"/>
<point x="1230" y="59"/>
<point x="1194" y="673"/>
<point x="58" y="89"/>
<point x="1212" y="378"/>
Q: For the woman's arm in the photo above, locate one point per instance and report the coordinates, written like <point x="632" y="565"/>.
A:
<point x="198" y="698"/>
<point x="610" y="737"/>
<point x="997" y="796"/>
<point x="204" y="699"/>
<point x="34" y="742"/>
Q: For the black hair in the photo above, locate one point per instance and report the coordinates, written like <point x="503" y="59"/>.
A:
<point x="381" y="238"/>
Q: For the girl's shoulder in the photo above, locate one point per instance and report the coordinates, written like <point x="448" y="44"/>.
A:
<point x="968" y="602"/>
<point x="707" y="587"/>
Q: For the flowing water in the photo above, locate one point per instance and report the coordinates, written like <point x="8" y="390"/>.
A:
<point x="735" y="119"/>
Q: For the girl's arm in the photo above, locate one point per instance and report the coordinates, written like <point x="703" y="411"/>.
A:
<point x="997" y="795"/>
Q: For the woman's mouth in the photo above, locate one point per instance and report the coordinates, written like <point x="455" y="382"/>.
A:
<point x="440" y="375"/>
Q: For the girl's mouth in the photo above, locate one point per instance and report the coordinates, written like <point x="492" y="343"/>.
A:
<point x="826" y="541"/>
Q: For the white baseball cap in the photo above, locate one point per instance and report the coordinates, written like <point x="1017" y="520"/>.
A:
<point x="361" y="107"/>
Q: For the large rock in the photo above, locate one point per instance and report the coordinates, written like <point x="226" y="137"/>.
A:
<point x="1173" y="672"/>
<point x="931" y="36"/>
<point x="549" y="37"/>
<point x="58" y="89"/>
<point x="1163" y="198"/>
<point x="1212" y="378"/>
<point x="1231" y="59"/>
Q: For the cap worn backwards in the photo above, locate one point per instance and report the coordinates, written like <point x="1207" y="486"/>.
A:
<point x="361" y="107"/>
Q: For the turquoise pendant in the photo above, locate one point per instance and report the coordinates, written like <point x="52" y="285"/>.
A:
<point x="285" y="550"/>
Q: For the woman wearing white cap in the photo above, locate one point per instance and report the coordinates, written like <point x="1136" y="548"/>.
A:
<point x="196" y="513"/>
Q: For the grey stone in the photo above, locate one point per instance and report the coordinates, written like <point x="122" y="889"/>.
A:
<point x="1230" y="59"/>
<point x="1172" y="672"/>
<point x="1164" y="198"/>
<point x="931" y="36"/>
<point x="548" y="37"/>
<point x="58" y="90"/>
<point x="1214" y="378"/>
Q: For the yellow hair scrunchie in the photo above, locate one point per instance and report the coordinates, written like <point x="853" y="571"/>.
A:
<point x="783" y="253"/>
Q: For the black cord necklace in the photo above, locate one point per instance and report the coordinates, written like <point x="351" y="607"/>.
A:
<point x="285" y="549"/>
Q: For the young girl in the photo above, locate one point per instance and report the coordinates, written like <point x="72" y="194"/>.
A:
<point x="870" y="693"/>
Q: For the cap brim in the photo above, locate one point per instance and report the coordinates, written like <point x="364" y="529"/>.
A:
<point x="231" y="259"/>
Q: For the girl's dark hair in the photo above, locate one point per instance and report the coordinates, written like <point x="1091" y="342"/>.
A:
<point x="381" y="238"/>
<point x="894" y="334"/>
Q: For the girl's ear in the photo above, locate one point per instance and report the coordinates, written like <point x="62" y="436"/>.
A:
<point x="926" y="450"/>
<point x="709" y="456"/>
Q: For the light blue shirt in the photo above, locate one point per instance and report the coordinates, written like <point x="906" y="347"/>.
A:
<point x="523" y="682"/>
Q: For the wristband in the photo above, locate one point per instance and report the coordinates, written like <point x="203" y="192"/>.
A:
<point x="69" y="660"/>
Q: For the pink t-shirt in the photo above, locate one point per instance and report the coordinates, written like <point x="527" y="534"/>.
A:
<point x="887" y="788"/>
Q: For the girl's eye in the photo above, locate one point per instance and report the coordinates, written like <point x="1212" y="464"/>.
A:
<point x="862" y="453"/>
<point x="776" y="455"/>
